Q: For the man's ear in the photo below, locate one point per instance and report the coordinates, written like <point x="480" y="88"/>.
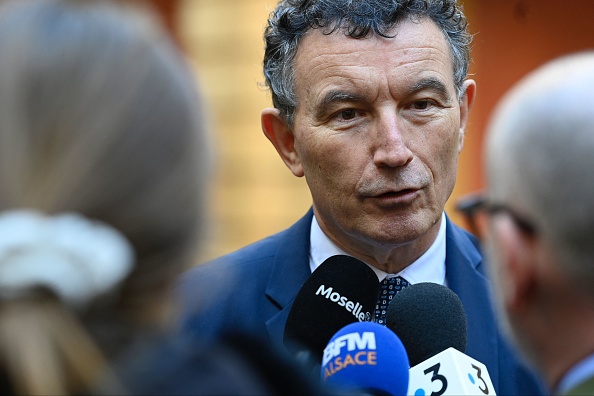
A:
<point x="520" y="272"/>
<point x="281" y="136"/>
<point x="466" y="104"/>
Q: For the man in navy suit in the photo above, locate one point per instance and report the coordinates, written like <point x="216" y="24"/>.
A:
<point x="370" y="105"/>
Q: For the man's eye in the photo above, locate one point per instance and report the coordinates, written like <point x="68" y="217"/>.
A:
<point x="347" y="114"/>
<point x="421" y="105"/>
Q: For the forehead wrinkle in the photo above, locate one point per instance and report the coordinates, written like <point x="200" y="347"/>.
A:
<point x="441" y="84"/>
<point x="334" y="64"/>
<point x="323" y="65"/>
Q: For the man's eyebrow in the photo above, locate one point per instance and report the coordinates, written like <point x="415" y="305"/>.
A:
<point x="431" y="84"/>
<point x="336" y="97"/>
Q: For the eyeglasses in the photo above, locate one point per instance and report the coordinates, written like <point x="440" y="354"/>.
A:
<point x="473" y="205"/>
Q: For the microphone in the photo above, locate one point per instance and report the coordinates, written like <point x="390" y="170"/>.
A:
<point x="342" y="290"/>
<point x="366" y="358"/>
<point x="450" y="372"/>
<point x="430" y="320"/>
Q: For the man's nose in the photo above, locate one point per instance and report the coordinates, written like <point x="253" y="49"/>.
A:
<point x="390" y="145"/>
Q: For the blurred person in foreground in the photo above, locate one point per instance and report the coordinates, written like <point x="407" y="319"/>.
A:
<point x="103" y="169"/>
<point x="540" y="223"/>
<point x="371" y="103"/>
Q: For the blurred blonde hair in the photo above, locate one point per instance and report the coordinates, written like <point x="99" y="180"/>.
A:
<point x="99" y="116"/>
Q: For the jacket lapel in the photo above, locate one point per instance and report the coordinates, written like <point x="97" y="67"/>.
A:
<point x="290" y="270"/>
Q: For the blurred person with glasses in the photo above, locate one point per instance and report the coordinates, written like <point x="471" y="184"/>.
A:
<point x="538" y="219"/>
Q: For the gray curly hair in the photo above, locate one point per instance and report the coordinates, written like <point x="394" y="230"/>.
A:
<point x="291" y="19"/>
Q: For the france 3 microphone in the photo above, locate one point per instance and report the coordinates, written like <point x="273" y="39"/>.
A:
<point x="342" y="290"/>
<point x="366" y="358"/>
<point x="430" y="321"/>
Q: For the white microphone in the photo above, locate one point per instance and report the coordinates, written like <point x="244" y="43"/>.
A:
<point x="450" y="372"/>
<point x="430" y="321"/>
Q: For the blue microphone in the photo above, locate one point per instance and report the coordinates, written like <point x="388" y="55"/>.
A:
<point x="366" y="357"/>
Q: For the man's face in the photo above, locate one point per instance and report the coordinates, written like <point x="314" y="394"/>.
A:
<point x="378" y="129"/>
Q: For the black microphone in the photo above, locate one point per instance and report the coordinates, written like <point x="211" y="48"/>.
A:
<point x="430" y="321"/>
<point x="429" y="318"/>
<point x="342" y="290"/>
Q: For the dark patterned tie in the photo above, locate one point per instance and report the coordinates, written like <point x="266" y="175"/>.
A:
<point x="388" y="289"/>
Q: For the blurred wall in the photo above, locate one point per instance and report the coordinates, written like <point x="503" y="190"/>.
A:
<point x="254" y="194"/>
<point x="513" y="37"/>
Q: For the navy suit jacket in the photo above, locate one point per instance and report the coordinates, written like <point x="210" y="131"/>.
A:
<point x="253" y="288"/>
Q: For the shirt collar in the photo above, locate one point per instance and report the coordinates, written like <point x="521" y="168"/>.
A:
<point x="430" y="267"/>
